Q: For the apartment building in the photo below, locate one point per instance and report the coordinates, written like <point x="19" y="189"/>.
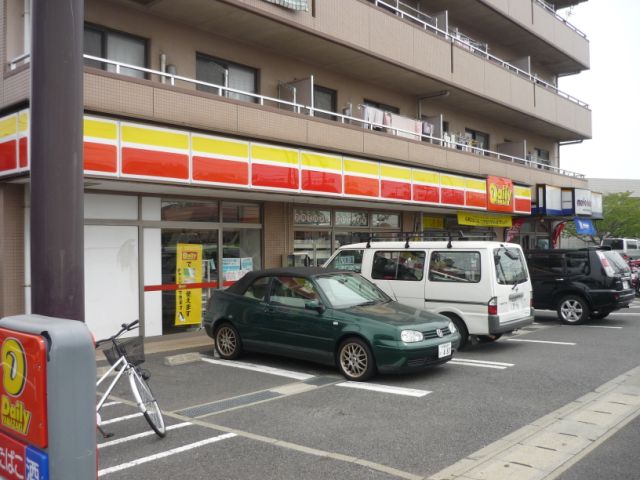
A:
<point x="222" y="136"/>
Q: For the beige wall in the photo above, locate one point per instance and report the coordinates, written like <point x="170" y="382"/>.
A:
<point x="11" y="249"/>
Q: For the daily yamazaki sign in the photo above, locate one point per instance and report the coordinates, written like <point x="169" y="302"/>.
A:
<point x="23" y="397"/>
<point x="499" y="194"/>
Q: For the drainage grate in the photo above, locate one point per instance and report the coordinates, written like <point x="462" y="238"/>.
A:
<point x="319" y="381"/>
<point x="221" y="405"/>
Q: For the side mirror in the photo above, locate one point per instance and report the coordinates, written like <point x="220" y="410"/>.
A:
<point x="315" y="305"/>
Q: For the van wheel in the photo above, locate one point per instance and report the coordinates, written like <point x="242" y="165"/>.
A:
<point x="462" y="328"/>
<point x="489" y="338"/>
<point x="573" y="310"/>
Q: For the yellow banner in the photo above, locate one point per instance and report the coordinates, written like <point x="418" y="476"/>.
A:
<point x="188" y="270"/>
<point x="483" y="220"/>
<point x="432" y="222"/>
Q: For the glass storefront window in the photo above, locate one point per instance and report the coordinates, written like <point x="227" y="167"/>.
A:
<point x="240" y="212"/>
<point x="385" y="220"/>
<point x="311" y="248"/>
<point x="240" y="254"/>
<point x="314" y="217"/>
<point x="347" y="238"/>
<point x="189" y="211"/>
<point x="352" y="219"/>
<point x="187" y="257"/>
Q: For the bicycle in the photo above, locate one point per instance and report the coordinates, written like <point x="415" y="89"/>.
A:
<point x="124" y="356"/>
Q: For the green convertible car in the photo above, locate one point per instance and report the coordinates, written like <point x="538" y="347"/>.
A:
<point x="331" y="317"/>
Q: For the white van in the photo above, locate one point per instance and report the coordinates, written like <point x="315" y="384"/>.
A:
<point x="484" y="287"/>
<point x="629" y="248"/>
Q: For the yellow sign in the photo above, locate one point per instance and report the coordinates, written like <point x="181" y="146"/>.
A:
<point x="432" y="222"/>
<point x="188" y="272"/>
<point x="483" y="220"/>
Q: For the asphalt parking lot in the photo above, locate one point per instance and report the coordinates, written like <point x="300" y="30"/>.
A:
<point x="503" y="405"/>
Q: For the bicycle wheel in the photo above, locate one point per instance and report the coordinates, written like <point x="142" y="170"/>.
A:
<point x="146" y="403"/>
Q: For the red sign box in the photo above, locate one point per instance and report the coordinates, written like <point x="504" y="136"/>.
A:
<point x="499" y="194"/>
<point x="23" y="387"/>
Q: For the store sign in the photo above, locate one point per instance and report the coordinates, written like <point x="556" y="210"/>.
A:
<point x="484" y="220"/>
<point x="584" y="226"/>
<point x="596" y="206"/>
<point x="188" y="270"/>
<point x="312" y="217"/>
<point x="20" y="462"/>
<point x="500" y="194"/>
<point x="430" y="223"/>
<point x="583" y="203"/>
<point x="23" y="390"/>
<point x="548" y="200"/>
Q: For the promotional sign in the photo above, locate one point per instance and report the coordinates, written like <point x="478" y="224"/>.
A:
<point x="188" y="270"/>
<point x="499" y="194"/>
<point x="584" y="226"/>
<point x="596" y="206"/>
<point x="483" y="220"/>
<point x="19" y="462"/>
<point x="429" y="223"/>
<point x="582" y="201"/>
<point x="23" y="390"/>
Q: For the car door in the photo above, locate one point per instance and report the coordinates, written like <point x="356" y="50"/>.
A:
<point x="251" y="315"/>
<point x="400" y="274"/>
<point x="547" y="272"/>
<point x="297" y="330"/>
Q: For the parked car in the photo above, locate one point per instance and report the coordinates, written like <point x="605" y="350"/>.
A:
<point x="580" y="283"/>
<point x="482" y="286"/>
<point x="331" y="317"/>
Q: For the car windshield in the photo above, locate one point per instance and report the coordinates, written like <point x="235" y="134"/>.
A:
<point x="617" y="262"/>
<point x="510" y="266"/>
<point x="344" y="291"/>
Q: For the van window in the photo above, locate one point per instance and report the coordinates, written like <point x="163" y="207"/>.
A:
<point x="447" y="266"/>
<point x="546" y="264"/>
<point x="350" y="260"/>
<point x="632" y="245"/>
<point x="614" y="243"/>
<point x="400" y="265"/>
<point x="510" y="266"/>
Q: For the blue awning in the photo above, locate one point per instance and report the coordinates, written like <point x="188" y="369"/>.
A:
<point x="584" y="226"/>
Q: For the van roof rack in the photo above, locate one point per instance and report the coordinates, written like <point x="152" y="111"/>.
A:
<point x="417" y="236"/>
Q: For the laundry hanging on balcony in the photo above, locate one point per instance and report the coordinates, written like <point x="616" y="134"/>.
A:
<point x="292" y="4"/>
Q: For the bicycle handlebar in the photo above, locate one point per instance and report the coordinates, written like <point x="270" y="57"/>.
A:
<point x="125" y="328"/>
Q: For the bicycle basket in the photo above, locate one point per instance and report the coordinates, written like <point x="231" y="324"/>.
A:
<point x="133" y="348"/>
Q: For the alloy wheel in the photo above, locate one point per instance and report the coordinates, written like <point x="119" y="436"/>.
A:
<point x="354" y="359"/>
<point x="226" y="341"/>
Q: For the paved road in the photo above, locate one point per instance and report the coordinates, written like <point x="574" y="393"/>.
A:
<point x="494" y="412"/>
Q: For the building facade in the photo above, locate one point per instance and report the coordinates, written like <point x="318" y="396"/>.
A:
<point x="223" y="136"/>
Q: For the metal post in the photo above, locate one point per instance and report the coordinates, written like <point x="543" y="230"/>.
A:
<point x="57" y="235"/>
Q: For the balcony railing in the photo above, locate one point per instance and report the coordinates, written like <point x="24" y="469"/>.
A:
<point x="301" y="109"/>
<point x="550" y="8"/>
<point x="480" y="49"/>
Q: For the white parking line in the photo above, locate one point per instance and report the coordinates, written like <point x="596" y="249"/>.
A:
<point x="168" y="453"/>
<point x="539" y="341"/>
<point x="141" y="435"/>
<point x="120" y="419"/>
<point x="480" y="363"/>
<point x="600" y="326"/>
<point x="260" y="368"/>
<point x="410" y="392"/>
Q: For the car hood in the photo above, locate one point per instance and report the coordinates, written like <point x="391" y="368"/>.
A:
<point x="397" y="314"/>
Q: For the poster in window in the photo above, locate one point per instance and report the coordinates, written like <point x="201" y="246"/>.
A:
<point x="188" y="271"/>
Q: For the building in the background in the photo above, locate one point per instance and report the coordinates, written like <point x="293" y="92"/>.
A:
<point x="615" y="185"/>
<point x="223" y="136"/>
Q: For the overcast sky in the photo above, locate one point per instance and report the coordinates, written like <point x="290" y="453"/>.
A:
<point x="611" y="88"/>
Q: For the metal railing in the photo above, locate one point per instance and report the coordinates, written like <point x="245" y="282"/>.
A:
<point x="19" y="60"/>
<point x="173" y="79"/>
<point x="473" y="47"/>
<point x="550" y="8"/>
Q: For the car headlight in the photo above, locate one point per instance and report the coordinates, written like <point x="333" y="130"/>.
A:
<point x="452" y="327"/>
<point x="411" y="336"/>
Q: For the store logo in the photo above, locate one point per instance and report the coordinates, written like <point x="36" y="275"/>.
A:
<point x="500" y="194"/>
<point x="13" y="413"/>
<point x="190" y="256"/>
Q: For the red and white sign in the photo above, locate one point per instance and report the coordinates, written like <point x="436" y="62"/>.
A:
<point x="500" y="194"/>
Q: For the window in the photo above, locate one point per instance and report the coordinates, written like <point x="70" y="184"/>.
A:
<point x="352" y="219"/>
<point x="350" y="260"/>
<point x="324" y="99"/>
<point x="404" y="265"/>
<point x="226" y="74"/>
<point x="116" y="46"/>
<point x="382" y="106"/>
<point x="545" y="264"/>
<point x="448" y="266"/>
<point x="240" y="212"/>
<point x="293" y="291"/>
<point x="385" y="220"/>
<point x="479" y="139"/>
<point x="189" y="211"/>
<point x="258" y="289"/>
<point x="542" y="157"/>
<point x="510" y="266"/>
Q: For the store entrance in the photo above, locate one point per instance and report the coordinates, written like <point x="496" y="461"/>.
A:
<point x="311" y="248"/>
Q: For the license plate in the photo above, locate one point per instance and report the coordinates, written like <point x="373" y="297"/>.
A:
<point x="444" y="350"/>
<point x="625" y="284"/>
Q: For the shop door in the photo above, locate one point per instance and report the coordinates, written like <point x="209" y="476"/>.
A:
<point x="311" y="248"/>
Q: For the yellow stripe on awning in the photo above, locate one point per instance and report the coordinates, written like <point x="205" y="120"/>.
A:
<point x="425" y="176"/>
<point x="523" y="192"/>
<point x="8" y="126"/>
<point x="155" y="138"/>
<point x="321" y="161"/>
<point x="274" y="154"/>
<point x="100" y="129"/>
<point x="476" y="184"/>
<point x="398" y="173"/>
<point x="451" y="181"/>
<point x="216" y="146"/>
<point x="366" y="168"/>
<point x="23" y="121"/>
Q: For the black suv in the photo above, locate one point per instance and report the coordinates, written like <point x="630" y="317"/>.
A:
<point x="579" y="283"/>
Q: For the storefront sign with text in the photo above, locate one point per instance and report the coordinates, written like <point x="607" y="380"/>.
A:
<point x="500" y="194"/>
<point x="483" y="220"/>
<point x="188" y="270"/>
